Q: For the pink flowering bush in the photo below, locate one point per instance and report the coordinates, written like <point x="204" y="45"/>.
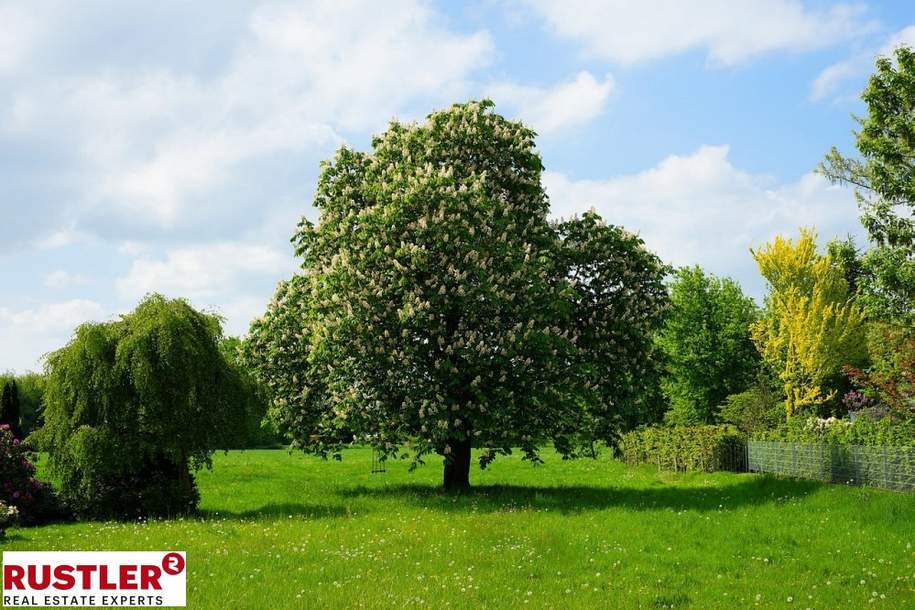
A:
<point x="855" y="401"/>
<point x="33" y="500"/>
<point x="8" y="515"/>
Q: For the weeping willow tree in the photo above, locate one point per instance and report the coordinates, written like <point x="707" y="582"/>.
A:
<point x="135" y="405"/>
<point x="812" y="327"/>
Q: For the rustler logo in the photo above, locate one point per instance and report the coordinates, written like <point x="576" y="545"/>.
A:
<point x="100" y="579"/>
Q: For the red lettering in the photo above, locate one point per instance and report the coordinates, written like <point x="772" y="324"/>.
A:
<point x="128" y="576"/>
<point x="12" y="577"/>
<point x="149" y="577"/>
<point x="86" y="571"/>
<point x="105" y="584"/>
<point x="45" y="581"/>
<point x="64" y="577"/>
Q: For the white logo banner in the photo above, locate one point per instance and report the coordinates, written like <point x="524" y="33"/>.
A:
<point x="94" y="579"/>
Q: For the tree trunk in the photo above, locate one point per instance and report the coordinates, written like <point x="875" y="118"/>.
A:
<point x="457" y="466"/>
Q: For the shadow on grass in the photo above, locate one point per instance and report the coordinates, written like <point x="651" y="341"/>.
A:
<point x="573" y="499"/>
<point x="284" y="510"/>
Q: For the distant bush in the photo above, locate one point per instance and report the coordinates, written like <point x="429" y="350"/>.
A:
<point x="759" y="408"/>
<point x="9" y="409"/>
<point x="30" y="394"/>
<point x="862" y="430"/>
<point x="684" y="448"/>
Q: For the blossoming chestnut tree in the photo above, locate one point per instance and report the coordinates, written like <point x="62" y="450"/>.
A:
<point x="438" y="310"/>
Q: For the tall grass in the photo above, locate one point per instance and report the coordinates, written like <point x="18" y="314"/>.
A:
<point x="286" y="531"/>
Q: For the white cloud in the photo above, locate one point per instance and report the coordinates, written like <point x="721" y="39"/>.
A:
<point x="19" y="34"/>
<point x="564" y="105"/>
<point x="132" y="248"/>
<point x="204" y="271"/>
<point x="61" y="238"/>
<point x="358" y="61"/>
<point x="65" y="315"/>
<point x="41" y="329"/>
<point x="190" y="152"/>
<point x="239" y="312"/>
<point x="832" y="76"/>
<point x="236" y="280"/>
<point x="172" y="145"/>
<point x="730" y="31"/>
<point x="64" y="279"/>
<point x="192" y="149"/>
<point x="700" y="209"/>
<point x="905" y="36"/>
<point x="830" y="79"/>
<point x="233" y="279"/>
<point x="189" y="165"/>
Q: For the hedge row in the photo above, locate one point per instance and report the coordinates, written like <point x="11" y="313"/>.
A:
<point x="683" y="448"/>
<point x="832" y="431"/>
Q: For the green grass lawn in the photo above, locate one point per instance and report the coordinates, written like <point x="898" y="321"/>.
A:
<point x="286" y="531"/>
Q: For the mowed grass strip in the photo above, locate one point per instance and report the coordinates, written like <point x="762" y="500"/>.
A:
<point x="288" y="531"/>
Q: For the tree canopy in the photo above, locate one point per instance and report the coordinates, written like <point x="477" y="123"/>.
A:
<point x="616" y="302"/>
<point x="812" y="327"/>
<point x="706" y="343"/>
<point x="884" y="181"/>
<point x="259" y="431"/>
<point x="437" y="308"/>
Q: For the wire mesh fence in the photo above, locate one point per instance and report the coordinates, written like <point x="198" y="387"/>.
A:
<point x="874" y="466"/>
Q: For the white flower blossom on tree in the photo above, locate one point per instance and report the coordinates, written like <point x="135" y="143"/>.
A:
<point x="437" y="309"/>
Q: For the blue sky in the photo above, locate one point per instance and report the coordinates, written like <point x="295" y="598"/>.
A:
<point x="172" y="146"/>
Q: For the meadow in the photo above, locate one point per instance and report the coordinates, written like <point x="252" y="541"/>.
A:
<point x="285" y="530"/>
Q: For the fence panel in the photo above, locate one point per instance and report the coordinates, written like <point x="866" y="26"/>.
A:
<point x="874" y="466"/>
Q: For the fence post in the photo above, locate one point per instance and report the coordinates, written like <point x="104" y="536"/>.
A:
<point x="886" y="470"/>
<point x="823" y="449"/>
<point x="856" y="471"/>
